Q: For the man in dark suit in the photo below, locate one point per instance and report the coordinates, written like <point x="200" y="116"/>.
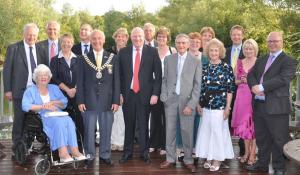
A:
<point x="140" y="73"/>
<point x="233" y="53"/>
<point x="51" y="45"/>
<point x="149" y="31"/>
<point x="270" y="83"/>
<point x="98" y="96"/>
<point x="84" y="46"/>
<point x="21" y="59"/>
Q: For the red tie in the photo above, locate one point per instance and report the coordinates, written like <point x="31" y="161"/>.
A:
<point x="52" y="50"/>
<point x="136" y="84"/>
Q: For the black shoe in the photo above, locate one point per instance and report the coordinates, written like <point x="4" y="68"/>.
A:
<point x="279" y="172"/>
<point x="256" y="167"/>
<point x="180" y="158"/>
<point x="146" y="158"/>
<point x="88" y="163"/>
<point x="13" y="157"/>
<point x="106" y="161"/>
<point x="125" y="158"/>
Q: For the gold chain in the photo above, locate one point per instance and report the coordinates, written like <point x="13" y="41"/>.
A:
<point x="87" y="59"/>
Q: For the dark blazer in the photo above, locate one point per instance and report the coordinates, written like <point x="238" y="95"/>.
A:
<point x="227" y="58"/>
<point x="276" y="82"/>
<point x="15" y="70"/>
<point x="61" y="71"/>
<point x="76" y="49"/>
<point x="45" y="45"/>
<point x="149" y="74"/>
<point x="94" y="93"/>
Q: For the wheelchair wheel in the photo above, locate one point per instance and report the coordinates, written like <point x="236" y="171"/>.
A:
<point x="20" y="152"/>
<point x="42" y="167"/>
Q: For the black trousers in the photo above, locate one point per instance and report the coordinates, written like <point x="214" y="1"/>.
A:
<point x="158" y="126"/>
<point x="272" y="132"/>
<point x="135" y="112"/>
<point x="18" y="124"/>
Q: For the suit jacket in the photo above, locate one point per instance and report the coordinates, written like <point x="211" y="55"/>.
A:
<point x="98" y="94"/>
<point x="45" y="45"/>
<point x="276" y="82"/>
<point x="190" y="83"/>
<point x="227" y="58"/>
<point x="15" y="70"/>
<point x="76" y="49"/>
<point x="149" y="73"/>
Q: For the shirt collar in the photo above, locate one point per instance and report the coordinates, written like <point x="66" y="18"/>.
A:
<point x="82" y="44"/>
<point x="134" y="48"/>
<point x="100" y="52"/>
<point x="182" y="56"/>
<point x="275" y="54"/>
<point x="237" y="46"/>
<point x="27" y="45"/>
<point x="60" y="55"/>
<point x="51" y="41"/>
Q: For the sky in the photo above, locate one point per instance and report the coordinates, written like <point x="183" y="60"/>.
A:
<point x="99" y="7"/>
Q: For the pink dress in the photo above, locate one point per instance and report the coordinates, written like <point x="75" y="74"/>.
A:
<point x="242" y="115"/>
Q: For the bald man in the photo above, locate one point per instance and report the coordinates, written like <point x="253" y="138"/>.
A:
<point x="270" y="83"/>
<point x="98" y="96"/>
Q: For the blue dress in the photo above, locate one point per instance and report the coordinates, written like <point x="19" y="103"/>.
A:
<point x="60" y="130"/>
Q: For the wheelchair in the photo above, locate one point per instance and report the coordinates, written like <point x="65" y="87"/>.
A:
<point x="33" y="129"/>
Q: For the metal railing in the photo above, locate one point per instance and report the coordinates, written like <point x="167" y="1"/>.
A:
<point x="6" y="111"/>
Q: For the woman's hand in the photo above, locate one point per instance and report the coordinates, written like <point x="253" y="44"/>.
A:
<point x="50" y="106"/>
<point x="199" y="110"/>
<point x="244" y="79"/>
<point x="226" y="112"/>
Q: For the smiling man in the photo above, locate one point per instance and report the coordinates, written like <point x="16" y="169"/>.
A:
<point x="140" y="73"/>
<point x="51" y="45"/>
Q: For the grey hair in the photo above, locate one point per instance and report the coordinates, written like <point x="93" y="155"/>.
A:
<point x="31" y="25"/>
<point x="150" y="25"/>
<point x="137" y="29"/>
<point x="53" y="22"/>
<point x="97" y="31"/>
<point x="182" y="35"/>
<point x="41" y="68"/>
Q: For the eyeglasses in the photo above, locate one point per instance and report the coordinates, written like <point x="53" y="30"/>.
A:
<point x="273" y="41"/>
<point x="181" y="42"/>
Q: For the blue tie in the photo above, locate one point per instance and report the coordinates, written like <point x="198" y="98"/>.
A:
<point x="32" y="61"/>
<point x="86" y="49"/>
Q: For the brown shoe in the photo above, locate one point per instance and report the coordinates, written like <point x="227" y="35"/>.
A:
<point x="190" y="167"/>
<point x="166" y="164"/>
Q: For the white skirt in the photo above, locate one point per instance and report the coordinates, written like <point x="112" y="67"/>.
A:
<point x="118" y="128"/>
<point x="213" y="138"/>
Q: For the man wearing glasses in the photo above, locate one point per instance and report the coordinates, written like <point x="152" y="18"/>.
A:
<point x="270" y="83"/>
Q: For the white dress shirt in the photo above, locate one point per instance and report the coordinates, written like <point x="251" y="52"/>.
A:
<point x="133" y="61"/>
<point x="181" y="60"/>
<point x="27" y="51"/>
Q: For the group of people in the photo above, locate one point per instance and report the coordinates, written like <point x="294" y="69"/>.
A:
<point x="196" y="95"/>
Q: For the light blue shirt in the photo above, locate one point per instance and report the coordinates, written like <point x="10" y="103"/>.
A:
<point x="181" y="60"/>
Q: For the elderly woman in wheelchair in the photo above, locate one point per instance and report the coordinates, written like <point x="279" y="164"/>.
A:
<point x="47" y="100"/>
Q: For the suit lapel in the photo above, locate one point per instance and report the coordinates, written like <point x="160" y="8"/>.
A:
<point x="143" y="56"/>
<point x="104" y="57"/>
<point x="38" y="55"/>
<point x="23" y="53"/>
<point x="129" y="56"/>
<point x="91" y="57"/>
<point x="185" y="64"/>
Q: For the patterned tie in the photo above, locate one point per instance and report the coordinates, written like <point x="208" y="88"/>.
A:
<point x="269" y="62"/>
<point x="52" y="50"/>
<point x="98" y="60"/>
<point x="136" y="84"/>
<point x="86" y="49"/>
<point x="234" y="58"/>
<point x="32" y="61"/>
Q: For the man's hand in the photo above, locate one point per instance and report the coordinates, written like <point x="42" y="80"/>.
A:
<point x="153" y="100"/>
<point x="114" y="107"/>
<point x="255" y="90"/>
<point x="71" y="92"/>
<point x="121" y="100"/>
<point x="187" y="111"/>
<point x="8" y="95"/>
<point x="81" y="107"/>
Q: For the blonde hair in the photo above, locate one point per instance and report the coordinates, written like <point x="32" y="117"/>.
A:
<point x="164" y="31"/>
<point x="250" y="42"/>
<point x="121" y="30"/>
<point x="209" y="30"/>
<point x="218" y="44"/>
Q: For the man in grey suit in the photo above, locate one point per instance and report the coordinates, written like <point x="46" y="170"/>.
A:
<point x="269" y="81"/>
<point x="98" y="96"/>
<point x="51" y="45"/>
<point x="21" y="59"/>
<point x="180" y="93"/>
